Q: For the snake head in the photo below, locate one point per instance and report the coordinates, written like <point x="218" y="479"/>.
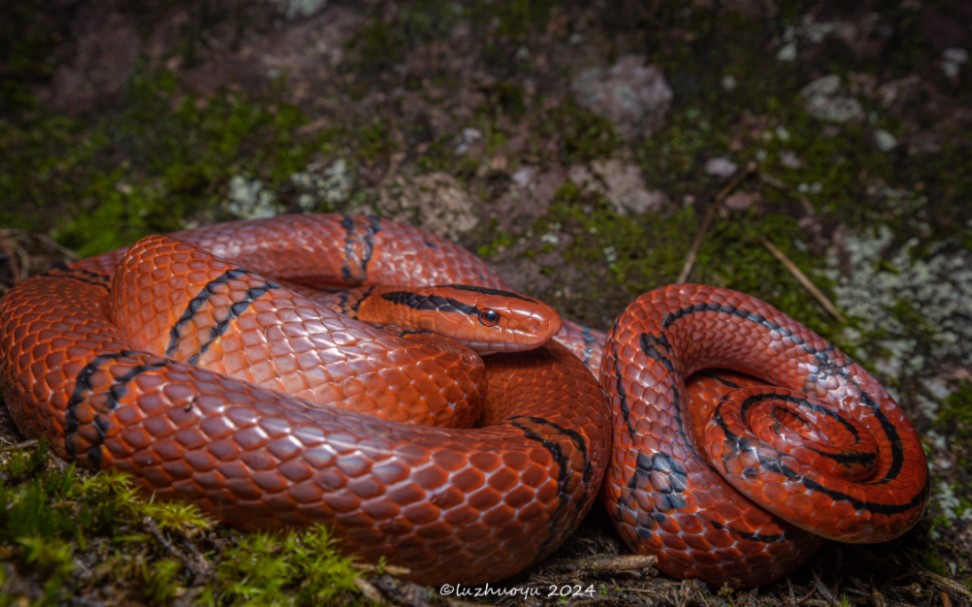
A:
<point x="486" y="320"/>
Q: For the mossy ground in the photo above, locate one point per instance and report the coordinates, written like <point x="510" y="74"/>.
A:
<point x="67" y="534"/>
<point x="160" y="155"/>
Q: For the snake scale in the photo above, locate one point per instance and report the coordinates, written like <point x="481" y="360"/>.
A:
<point x="203" y="365"/>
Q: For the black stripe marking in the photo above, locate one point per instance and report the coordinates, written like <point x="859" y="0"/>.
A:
<point x="353" y="311"/>
<point x="115" y="392"/>
<point x="352" y="261"/>
<point x="715" y="375"/>
<point x="825" y="357"/>
<point x="488" y="291"/>
<point x="87" y="277"/>
<point x="430" y="302"/>
<point x="857" y="457"/>
<point x="897" y="449"/>
<point x="660" y="475"/>
<point x="753" y="317"/>
<point x="196" y="303"/>
<point x="658" y="348"/>
<point x="343" y="302"/>
<point x="199" y="301"/>
<point x="587" y="336"/>
<point x="854" y="457"/>
<point x="876" y="508"/>
<point x="623" y="396"/>
<point x="347" y="222"/>
<point x="563" y="470"/>
<point x="573" y="435"/>
<point x="775" y="465"/>
<point x="749" y="535"/>
<point x="563" y="477"/>
<point x="252" y="294"/>
<point x="748" y="403"/>
<point x="664" y="476"/>
<point x="650" y="346"/>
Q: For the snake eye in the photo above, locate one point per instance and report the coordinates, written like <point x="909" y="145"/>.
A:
<point x="489" y="318"/>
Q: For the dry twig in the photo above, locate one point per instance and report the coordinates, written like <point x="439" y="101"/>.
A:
<point x="803" y="279"/>
<point x="823" y="590"/>
<point x="946" y="584"/>
<point x="8" y="250"/>
<point x="396" y="570"/>
<point x="194" y="565"/>
<point x="370" y="592"/>
<point x="693" y="254"/>
<point x="21" y="446"/>
<point x="621" y="562"/>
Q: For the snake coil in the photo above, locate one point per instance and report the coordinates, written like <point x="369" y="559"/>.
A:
<point x="451" y="504"/>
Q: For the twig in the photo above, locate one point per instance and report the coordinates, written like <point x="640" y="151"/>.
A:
<point x="190" y="564"/>
<point x="20" y="446"/>
<point x="396" y="570"/>
<point x="623" y="562"/>
<point x="946" y="584"/>
<point x="809" y="222"/>
<point x="823" y="590"/>
<point x="8" y="250"/>
<point x="877" y="597"/>
<point x="804" y="280"/>
<point x="693" y="254"/>
<point x="370" y="592"/>
<point x="779" y="185"/>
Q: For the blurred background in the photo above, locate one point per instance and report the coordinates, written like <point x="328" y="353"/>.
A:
<point x="815" y="154"/>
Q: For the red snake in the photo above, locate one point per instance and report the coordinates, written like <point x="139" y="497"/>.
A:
<point x="107" y="359"/>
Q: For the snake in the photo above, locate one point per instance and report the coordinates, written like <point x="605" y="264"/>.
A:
<point x="208" y="365"/>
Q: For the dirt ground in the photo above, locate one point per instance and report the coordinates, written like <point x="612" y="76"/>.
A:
<point x="814" y="154"/>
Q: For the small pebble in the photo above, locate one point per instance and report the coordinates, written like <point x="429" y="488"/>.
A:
<point x="720" y="166"/>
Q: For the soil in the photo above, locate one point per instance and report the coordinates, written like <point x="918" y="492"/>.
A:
<point x="589" y="150"/>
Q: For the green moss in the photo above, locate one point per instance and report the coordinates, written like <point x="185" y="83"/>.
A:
<point x="504" y="98"/>
<point x="379" y="46"/>
<point x="674" y="157"/>
<point x="637" y="251"/>
<point x="27" y="40"/>
<point x="389" y="35"/>
<point x="581" y="135"/>
<point x="53" y="561"/>
<point x="284" y="569"/>
<point x="734" y="256"/>
<point x="54" y="521"/>
<point x="497" y="240"/>
<point x="957" y="412"/>
<point x="372" y="141"/>
<point x="514" y="20"/>
<point x="762" y="118"/>
<point x="160" y="161"/>
<point x="624" y="256"/>
<point x="635" y="254"/>
<point x="506" y="31"/>
<point x="161" y="582"/>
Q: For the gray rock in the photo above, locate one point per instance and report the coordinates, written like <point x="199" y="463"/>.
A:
<point x="632" y="95"/>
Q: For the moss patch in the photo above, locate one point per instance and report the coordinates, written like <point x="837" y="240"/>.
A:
<point x="163" y="160"/>
<point x="65" y="534"/>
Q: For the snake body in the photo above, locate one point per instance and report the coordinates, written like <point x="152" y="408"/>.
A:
<point x="451" y="504"/>
<point x="680" y="466"/>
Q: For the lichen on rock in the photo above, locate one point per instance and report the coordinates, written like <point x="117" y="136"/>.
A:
<point x="436" y="202"/>
<point x="632" y="95"/>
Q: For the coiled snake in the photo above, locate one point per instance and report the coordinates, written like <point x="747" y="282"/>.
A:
<point x="168" y="361"/>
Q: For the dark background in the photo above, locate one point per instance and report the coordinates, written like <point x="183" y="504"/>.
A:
<point x="578" y="146"/>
